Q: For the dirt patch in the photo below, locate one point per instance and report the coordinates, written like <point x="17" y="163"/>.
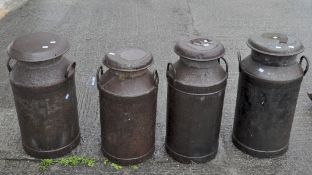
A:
<point x="3" y="12"/>
<point x="9" y="5"/>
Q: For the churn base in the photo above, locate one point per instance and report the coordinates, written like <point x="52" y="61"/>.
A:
<point x="53" y="153"/>
<point x="128" y="161"/>
<point x="187" y="160"/>
<point x="258" y="153"/>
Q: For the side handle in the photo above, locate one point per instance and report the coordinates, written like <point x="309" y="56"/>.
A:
<point x="156" y="78"/>
<point x="307" y="64"/>
<point x="99" y="73"/>
<point x="226" y="65"/>
<point x="239" y="57"/>
<point x="169" y="69"/>
<point x="70" y="70"/>
<point x="9" y="67"/>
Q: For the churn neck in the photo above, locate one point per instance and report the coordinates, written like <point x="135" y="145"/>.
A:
<point x="199" y="64"/>
<point x="272" y="60"/>
<point x="127" y="74"/>
<point x="43" y="63"/>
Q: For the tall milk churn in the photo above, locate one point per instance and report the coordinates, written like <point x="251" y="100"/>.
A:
<point x="268" y="88"/>
<point x="43" y="84"/>
<point x="196" y="87"/>
<point x="128" y="100"/>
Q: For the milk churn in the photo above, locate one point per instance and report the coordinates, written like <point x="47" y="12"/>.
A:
<point x="128" y="99"/>
<point x="43" y="84"/>
<point x="269" y="83"/>
<point x="196" y="86"/>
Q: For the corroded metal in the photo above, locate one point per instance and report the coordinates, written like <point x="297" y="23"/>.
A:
<point x="196" y="87"/>
<point x="128" y="99"/>
<point x="43" y="84"/>
<point x="268" y="88"/>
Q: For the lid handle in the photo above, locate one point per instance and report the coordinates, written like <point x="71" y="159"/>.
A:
<point x="70" y="70"/>
<point x="307" y="64"/>
<point x="201" y="42"/>
<point x="282" y="38"/>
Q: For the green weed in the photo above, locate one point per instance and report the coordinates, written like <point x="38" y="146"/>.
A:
<point x="70" y="161"/>
<point x="134" y="167"/>
<point x="45" y="164"/>
<point x="106" y="162"/>
<point x="77" y="160"/>
<point x="116" y="166"/>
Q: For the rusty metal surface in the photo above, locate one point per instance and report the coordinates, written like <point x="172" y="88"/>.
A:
<point x="45" y="96"/>
<point x="196" y="87"/>
<point x="267" y="95"/>
<point x="128" y="101"/>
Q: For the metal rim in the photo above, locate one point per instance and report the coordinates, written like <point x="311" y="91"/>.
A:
<point x="128" y="60"/>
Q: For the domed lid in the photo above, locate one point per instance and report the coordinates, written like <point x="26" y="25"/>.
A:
<point x="39" y="46"/>
<point x="199" y="49"/>
<point x="275" y="44"/>
<point x="128" y="59"/>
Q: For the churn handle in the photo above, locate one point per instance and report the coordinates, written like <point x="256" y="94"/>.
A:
<point x="98" y="72"/>
<point x="70" y="69"/>
<point x="8" y="64"/>
<point x="307" y="64"/>
<point x="239" y="57"/>
<point x="170" y="66"/>
<point x="226" y="65"/>
<point x="156" y="78"/>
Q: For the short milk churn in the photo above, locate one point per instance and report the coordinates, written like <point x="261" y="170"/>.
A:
<point x="128" y="100"/>
<point x="268" y="87"/>
<point x="196" y="87"/>
<point x="43" y="84"/>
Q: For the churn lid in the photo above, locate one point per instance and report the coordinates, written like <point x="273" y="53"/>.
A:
<point x="275" y="44"/>
<point x="199" y="49"/>
<point x="128" y="59"/>
<point x="39" y="46"/>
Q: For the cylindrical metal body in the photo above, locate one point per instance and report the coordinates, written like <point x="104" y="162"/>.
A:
<point x="269" y="83"/>
<point x="128" y="99"/>
<point x="196" y="87"/>
<point x="43" y="85"/>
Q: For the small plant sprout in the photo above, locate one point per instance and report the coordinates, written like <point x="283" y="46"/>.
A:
<point x="116" y="166"/>
<point x="106" y="162"/>
<point x="134" y="167"/>
<point x="88" y="162"/>
<point x="45" y="163"/>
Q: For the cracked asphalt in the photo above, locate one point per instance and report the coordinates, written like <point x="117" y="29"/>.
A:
<point x="95" y="27"/>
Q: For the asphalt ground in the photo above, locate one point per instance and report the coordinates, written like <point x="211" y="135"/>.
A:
<point x="95" y="27"/>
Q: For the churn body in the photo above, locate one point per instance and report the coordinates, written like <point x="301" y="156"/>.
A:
<point x="128" y="99"/>
<point x="269" y="83"/>
<point x="43" y="85"/>
<point x="196" y="87"/>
